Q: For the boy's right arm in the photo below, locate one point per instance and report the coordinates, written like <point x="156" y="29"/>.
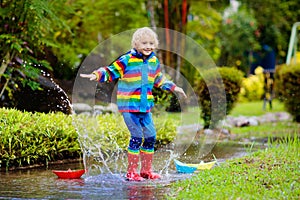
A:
<point x="109" y="73"/>
<point x="92" y="77"/>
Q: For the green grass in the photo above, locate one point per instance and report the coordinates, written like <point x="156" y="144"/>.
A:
<point x="255" y="108"/>
<point x="272" y="173"/>
<point x="278" y="129"/>
<point x="269" y="174"/>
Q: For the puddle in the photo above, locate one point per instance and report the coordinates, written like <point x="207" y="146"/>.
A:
<point x="43" y="184"/>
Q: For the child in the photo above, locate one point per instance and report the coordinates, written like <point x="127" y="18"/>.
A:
<point x="138" y="72"/>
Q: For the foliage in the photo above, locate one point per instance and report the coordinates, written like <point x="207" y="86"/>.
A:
<point x="204" y="17"/>
<point x="32" y="31"/>
<point x="37" y="35"/>
<point x="29" y="139"/>
<point x="237" y="39"/>
<point x="252" y="88"/>
<point x="277" y="17"/>
<point x="272" y="173"/>
<point x="287" y="86"/>
<point x="37" y="138"/>
<point x="162" y="100"/>
<point x="26" y="28"/>
<point x="102" y="134"/>
<point x="208" y="87"/>
<point x="173" y="16"/>
<point x="166" y="131"/>
<point x="91" y="23"/>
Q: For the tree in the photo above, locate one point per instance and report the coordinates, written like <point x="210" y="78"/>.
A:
<point x="26" y="28"/>
<point x="37" y="35"/>
<point x="91" y="23"/>
<point x="203" y="26"/>
<point x="238" y="39"/>
<point x="172" y="15"/>
<point x="277" y="18"/>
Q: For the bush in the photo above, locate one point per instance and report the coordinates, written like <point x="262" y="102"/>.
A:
<point x="287" y="88"/>
<point x="252" y="88"/>
<point x="38" y="138"/>
<point x="35" y="138"/>
<point x="209" y="88"/>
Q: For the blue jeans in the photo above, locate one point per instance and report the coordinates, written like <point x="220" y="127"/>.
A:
<point x="140" y="125"/>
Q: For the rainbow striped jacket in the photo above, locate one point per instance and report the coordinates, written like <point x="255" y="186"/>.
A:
<point x="137" y="77"/>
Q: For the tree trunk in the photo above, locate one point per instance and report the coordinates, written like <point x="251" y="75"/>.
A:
<point x="173" y="16"/>
<point x="150" y="8"/>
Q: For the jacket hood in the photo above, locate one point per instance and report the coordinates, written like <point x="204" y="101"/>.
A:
<point x="137" y="54"/>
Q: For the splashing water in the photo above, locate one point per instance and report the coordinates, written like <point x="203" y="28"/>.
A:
<point x="104" y="138"/>
<point x="62" y="101"/>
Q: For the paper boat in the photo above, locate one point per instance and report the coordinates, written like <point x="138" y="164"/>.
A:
<point x="191" y="168"/>
<point x="203" y="165"/>
<point x="183" y="168"/>
<point x="69" y="174"/>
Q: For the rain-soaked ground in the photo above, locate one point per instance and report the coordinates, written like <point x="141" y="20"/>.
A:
<point x="43" y="184"/>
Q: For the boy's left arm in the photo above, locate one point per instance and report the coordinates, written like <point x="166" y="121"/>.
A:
<point x="162" y="82"/>
<point x="180" y="91"/>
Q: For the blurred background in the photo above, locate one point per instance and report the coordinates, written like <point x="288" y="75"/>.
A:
<point x="43" y="43"/>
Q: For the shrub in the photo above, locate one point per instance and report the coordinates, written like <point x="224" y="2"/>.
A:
<point x="210" y="87"/>
<point x="252" y="88"/>
<point x="35" y="138"/>
<point x="287" y="87"/>
<point x="38" y="138"/>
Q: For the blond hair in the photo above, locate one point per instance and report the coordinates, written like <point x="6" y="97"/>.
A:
<point x="142" y="32"/>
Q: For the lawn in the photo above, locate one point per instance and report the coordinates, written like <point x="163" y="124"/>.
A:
<point x="277" y="129"/>
<point x="255" y="108"/>
<point x="272" y="173"/>
<point x="269" y="174"/>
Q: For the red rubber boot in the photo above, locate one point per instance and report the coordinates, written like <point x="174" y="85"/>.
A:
<point x="146" y="170"/>
<point x="132" y="175"/>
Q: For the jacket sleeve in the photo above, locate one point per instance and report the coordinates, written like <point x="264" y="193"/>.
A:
<point x="112" y="72"/>
<point x="162" y="82"/>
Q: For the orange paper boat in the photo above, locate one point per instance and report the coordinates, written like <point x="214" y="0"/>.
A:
<point x="69" y="174"/>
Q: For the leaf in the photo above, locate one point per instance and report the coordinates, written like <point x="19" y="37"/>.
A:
<point x="16" y="46"/>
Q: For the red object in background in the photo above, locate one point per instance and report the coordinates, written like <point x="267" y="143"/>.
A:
<point x="69" y="174"/>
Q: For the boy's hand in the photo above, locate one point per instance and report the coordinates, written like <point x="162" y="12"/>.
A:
<point x="180" y="91"/>
<point x="92" y="77"/>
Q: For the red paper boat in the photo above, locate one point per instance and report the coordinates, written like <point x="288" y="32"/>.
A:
<point x="69" y="174"/>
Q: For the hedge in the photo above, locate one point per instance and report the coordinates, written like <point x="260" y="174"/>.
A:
<point x="287" y="88"/>
<point x="35" y="138"/>
<point x="28" y="139"/>
<point x="209" y="87"/>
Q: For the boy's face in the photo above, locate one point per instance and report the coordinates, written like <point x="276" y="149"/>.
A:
<point x="146" y="45"/>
